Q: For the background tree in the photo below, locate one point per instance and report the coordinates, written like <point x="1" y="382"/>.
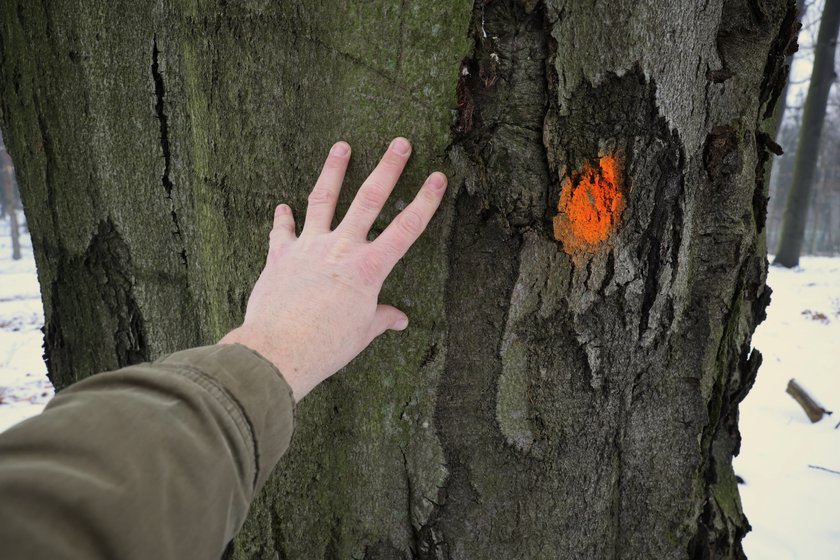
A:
<point x="822" y="236"/>
<point x="787" y="128"/>
<point x="581" y="307"/>
<point x="782" y="175"/>
<point x="10" y="203"/>
<point x="781" y="103"/>
<point x="807" y="150"/>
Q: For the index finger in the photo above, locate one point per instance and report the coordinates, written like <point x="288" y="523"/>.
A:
<point x="404" y="230"/>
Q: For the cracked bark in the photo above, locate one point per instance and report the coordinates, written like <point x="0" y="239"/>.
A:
<point x="160" y="109"/>
<point x="545" y="402"/>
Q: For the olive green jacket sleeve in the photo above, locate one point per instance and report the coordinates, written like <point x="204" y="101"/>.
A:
<point x="157" y="460"/>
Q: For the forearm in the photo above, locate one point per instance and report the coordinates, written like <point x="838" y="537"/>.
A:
<point x="157" y="460"/>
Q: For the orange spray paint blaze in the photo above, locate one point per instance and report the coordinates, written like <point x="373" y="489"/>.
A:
<point x="590" y="206"/>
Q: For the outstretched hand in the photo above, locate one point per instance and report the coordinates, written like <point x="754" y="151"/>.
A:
<point x="315" y="305"/>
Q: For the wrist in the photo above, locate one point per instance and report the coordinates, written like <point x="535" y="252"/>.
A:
<point x="252" y="341"/>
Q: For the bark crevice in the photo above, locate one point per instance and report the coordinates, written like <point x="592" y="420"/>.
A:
<point x="163" y="119"/>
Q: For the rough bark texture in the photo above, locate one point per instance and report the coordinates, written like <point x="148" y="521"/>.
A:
<point x="547" y="401"/>
<point x="807" y="149"/>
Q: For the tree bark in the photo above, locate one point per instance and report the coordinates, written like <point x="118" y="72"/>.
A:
<point x="807" y="151"/>
<point x="582" y="305"/>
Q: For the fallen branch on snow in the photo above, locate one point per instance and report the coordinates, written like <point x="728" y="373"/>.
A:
<point x="814" y="411"/>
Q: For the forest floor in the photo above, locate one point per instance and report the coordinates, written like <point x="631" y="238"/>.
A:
<point x="791" y="502"/>
<point x="24" y="387"/>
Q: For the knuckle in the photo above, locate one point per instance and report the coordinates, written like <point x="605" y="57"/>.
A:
<point x="411" y="222"/>
<point x="276" y="251"/>
<point x="277" y="237"/>
<point x="320" y="195"/>
<point x="395" y="247"/>
<point x="283" y="222"/>
<point x="429" y="197"/>
<point x="393" y="162"/>
<point x="371" y="196"/>
<point x="335" y="162"/>
<point x="370" y="269"/>
<point x="341" y="245"/>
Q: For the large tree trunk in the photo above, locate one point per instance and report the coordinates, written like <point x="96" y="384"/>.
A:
<point x="807" y="149"/>
<point x="581" y="307"/>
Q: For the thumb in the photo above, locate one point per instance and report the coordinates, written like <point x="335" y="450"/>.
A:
<point x="387" y="318"/>
<point x="284" y="225"/>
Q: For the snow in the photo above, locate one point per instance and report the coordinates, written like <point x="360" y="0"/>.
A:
<point x="24" y="387"/>
<point x="794" y="509"/>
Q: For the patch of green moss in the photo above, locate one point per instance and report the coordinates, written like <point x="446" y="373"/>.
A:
<point x="208" y="245"/>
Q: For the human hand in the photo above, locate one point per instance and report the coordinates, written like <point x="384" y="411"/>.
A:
<point x="315" y="305"/>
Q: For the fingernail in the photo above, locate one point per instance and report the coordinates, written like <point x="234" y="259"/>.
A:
<point x="401" y="146"/>
<point x="340" y="149"/>
<point x="401" y="324"/>
<point x="282" y="209"/>
<point x="437" y="181"/>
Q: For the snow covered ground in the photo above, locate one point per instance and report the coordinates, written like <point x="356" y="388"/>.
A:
<point x="794" y="509"/>
<point x="24" y="387"/>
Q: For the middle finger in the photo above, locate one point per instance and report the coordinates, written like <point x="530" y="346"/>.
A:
<point x="373" y="193"/>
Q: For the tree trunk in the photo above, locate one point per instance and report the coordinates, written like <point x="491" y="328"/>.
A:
<point x="581" y="307"/>
<point x="780" y="179"/>
<point x="7" y="180"/>
<point x="781" y="103"/>
<point x="807" y="151"/>
<point x="780" y="168"/>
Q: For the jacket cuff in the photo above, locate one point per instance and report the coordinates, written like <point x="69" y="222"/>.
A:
<point x="257" y="388"/>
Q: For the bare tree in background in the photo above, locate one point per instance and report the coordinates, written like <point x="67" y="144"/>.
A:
<point x="781" y="167"/>
<point x="813" y="116"/>
<point x="782" y="173"/>
<point x="822" y="234"/>
<point x="781" y="104"/>
<point x="7" y="181"/>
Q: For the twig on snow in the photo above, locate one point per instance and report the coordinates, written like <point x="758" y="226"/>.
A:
<point x="819" y="468"/>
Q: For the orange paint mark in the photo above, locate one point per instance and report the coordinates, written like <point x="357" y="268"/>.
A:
<point x="590" y="205"/>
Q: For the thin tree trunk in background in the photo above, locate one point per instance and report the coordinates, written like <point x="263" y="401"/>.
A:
<point x="780" y="179"/>
<point x="8" y="171"/>
<point x="810" y="241"/>
<point x="778" y="168"/>
<point x="781" y="104"/>
<point x="569" y="386"/>
<point x="807" y="151"/>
